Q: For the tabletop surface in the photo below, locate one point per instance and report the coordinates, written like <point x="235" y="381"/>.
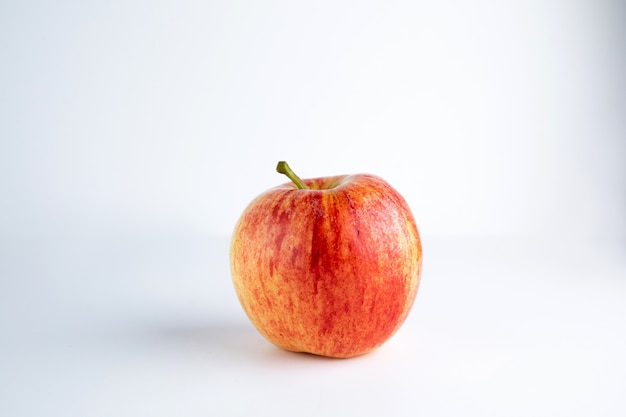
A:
<point x="134" y="326"/>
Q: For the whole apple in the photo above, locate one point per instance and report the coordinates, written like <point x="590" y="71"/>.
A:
<point x="329" y="266"/>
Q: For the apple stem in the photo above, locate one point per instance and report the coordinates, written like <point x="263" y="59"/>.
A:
<point x="284" y="168"/>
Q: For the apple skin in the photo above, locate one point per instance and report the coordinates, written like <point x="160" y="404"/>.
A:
<point x="332" y="270"/>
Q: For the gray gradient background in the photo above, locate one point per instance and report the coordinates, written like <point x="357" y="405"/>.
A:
<point x="489" y="117"/>
<point x="133" y="134"/>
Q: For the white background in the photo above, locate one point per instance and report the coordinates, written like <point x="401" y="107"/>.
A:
<point x="133" y="134"/>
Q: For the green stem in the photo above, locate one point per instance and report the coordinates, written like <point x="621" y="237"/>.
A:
<point x="283" y="168"/>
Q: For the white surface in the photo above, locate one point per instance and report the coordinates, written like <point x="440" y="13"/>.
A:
<point x="151" y="326"/>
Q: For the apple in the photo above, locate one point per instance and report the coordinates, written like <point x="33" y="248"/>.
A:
<point x="329" y="266"/>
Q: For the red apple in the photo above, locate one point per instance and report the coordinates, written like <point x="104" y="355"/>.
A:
<point x="329" y="266"/>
